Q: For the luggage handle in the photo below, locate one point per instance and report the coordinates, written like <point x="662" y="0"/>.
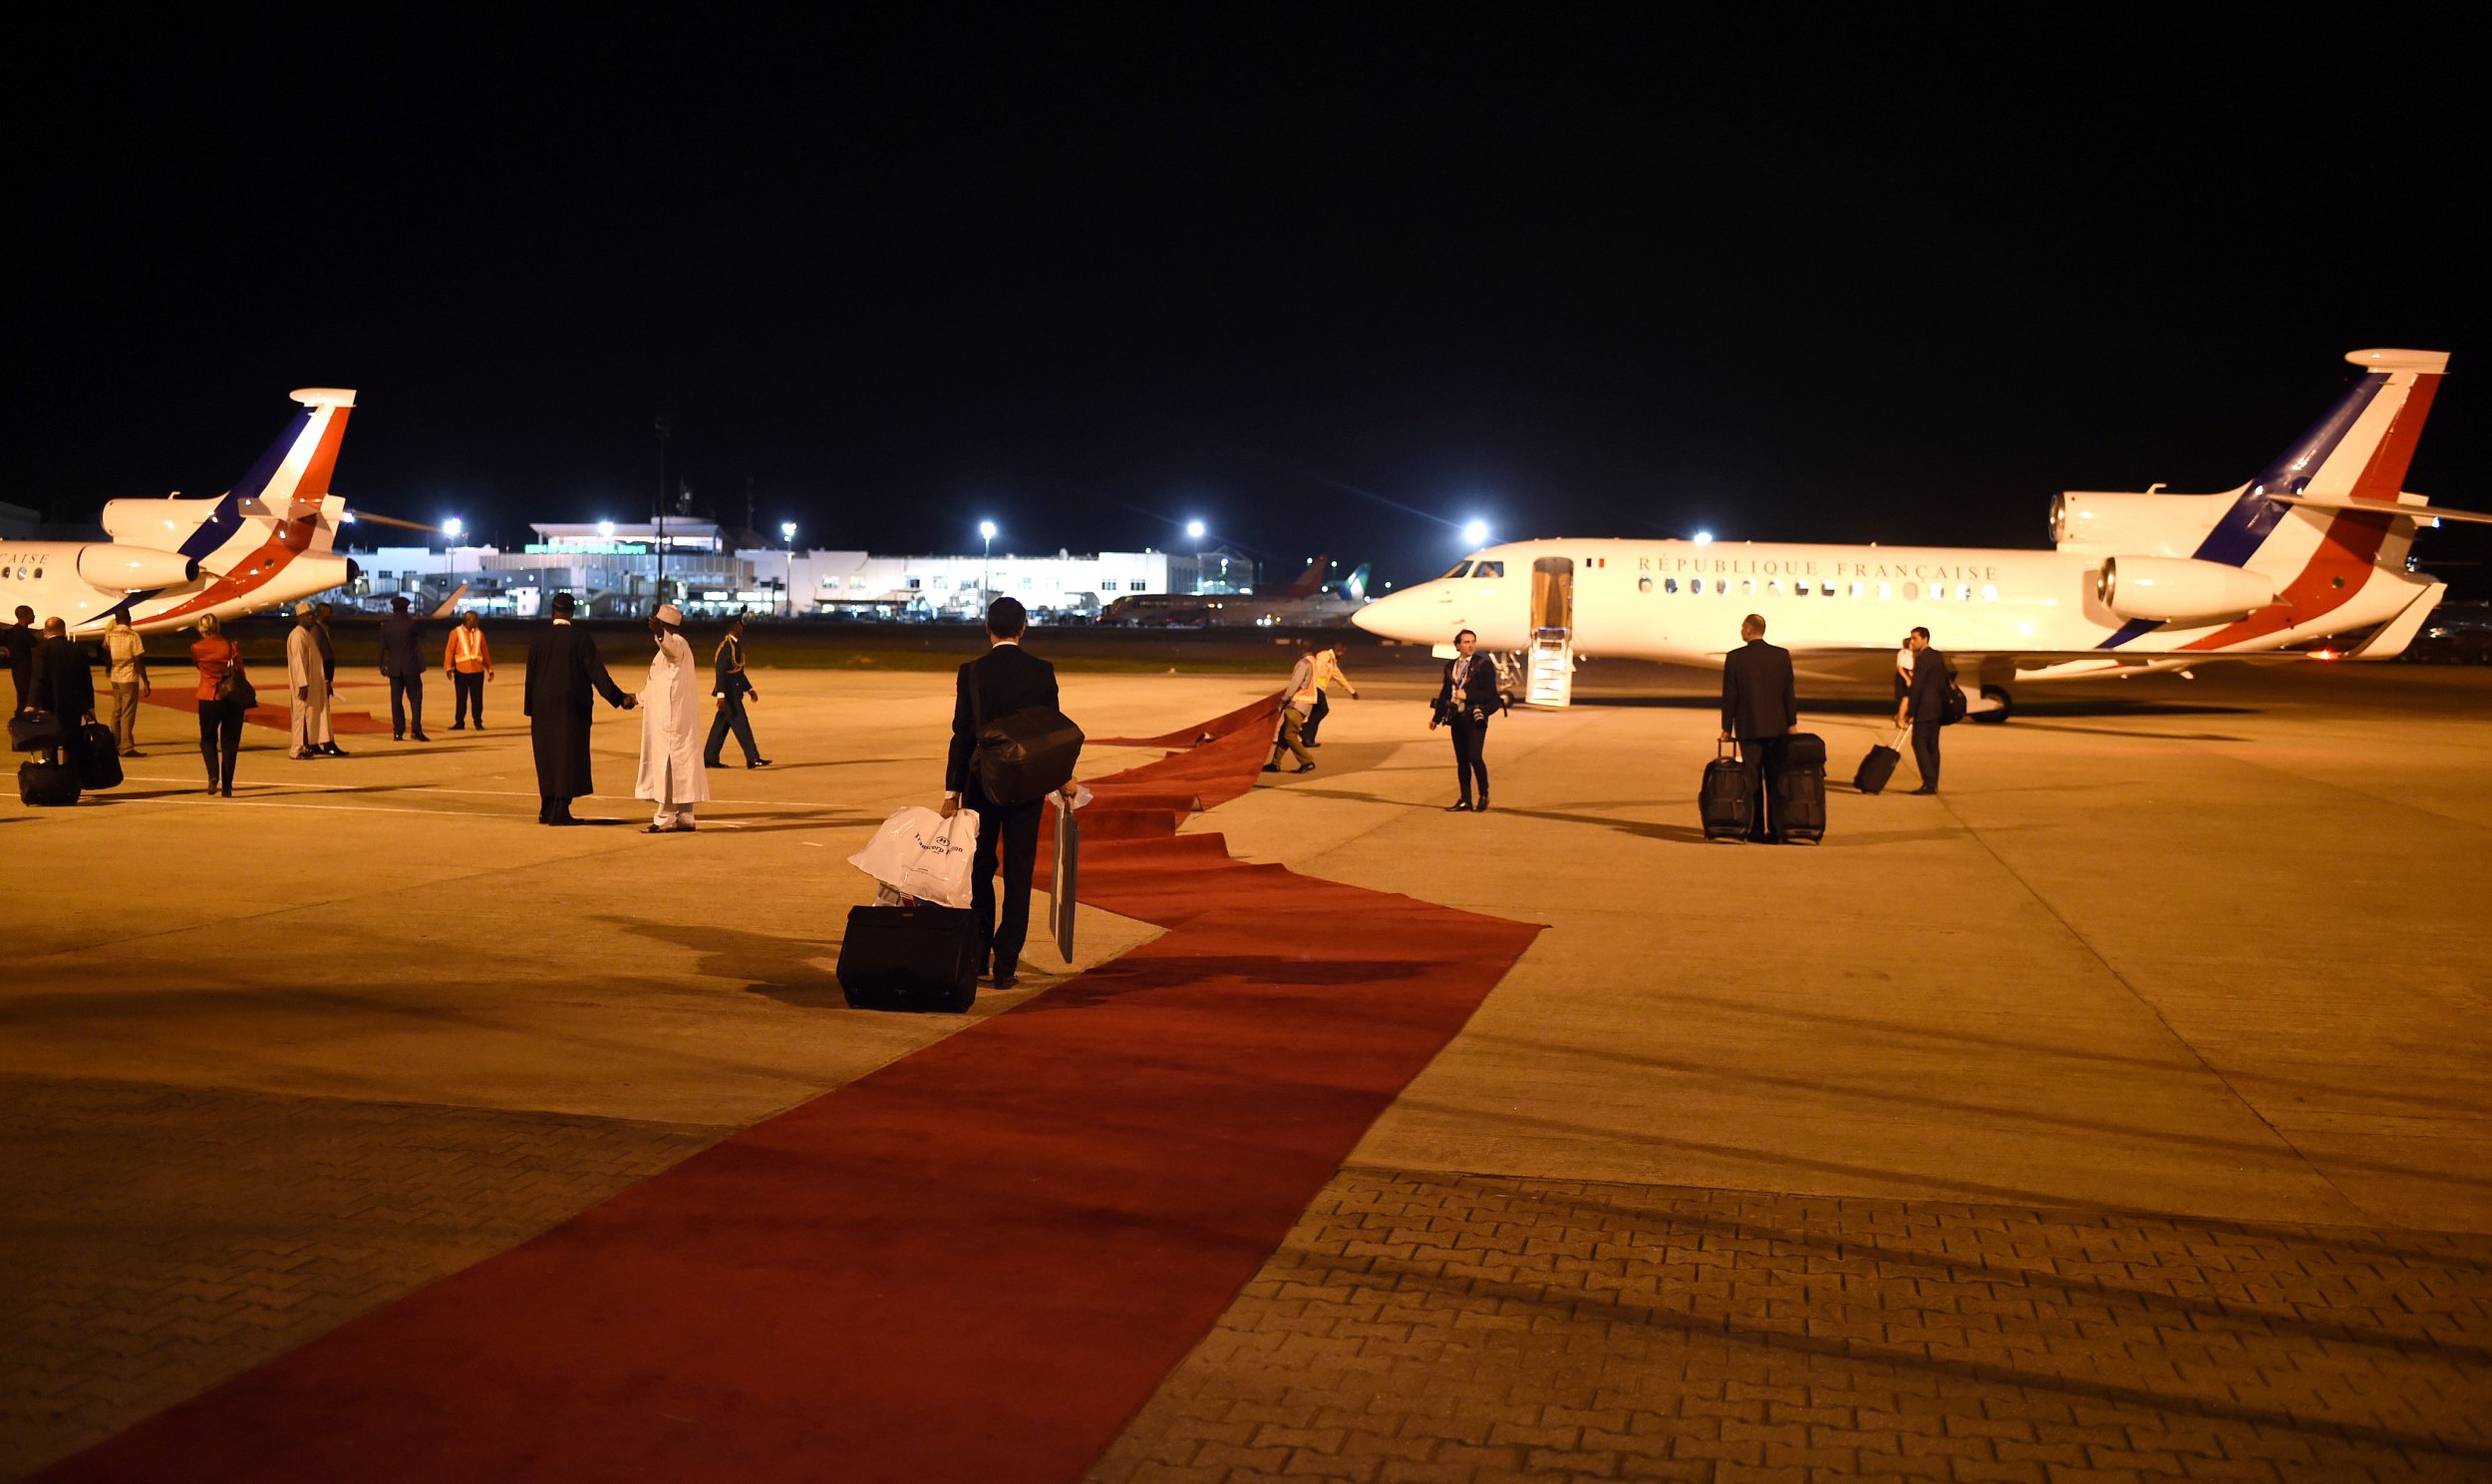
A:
<point x="1733" y="746"/>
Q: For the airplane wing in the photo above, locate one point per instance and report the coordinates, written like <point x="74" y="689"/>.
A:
<point x="1872" y="664"/>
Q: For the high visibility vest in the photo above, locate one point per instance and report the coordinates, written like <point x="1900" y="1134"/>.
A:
<point x="466" y="647"/>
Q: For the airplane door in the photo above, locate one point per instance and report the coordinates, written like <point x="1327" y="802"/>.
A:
<point x="1550" y="673"/>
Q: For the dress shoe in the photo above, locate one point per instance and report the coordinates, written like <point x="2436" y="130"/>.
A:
<point x="1304" y="768"/>
<point x="758" y="763"/>
<point x="1462" y="807"/>
<point x="713" y="763"/>
<point x="227" y="790"/>
<point x="1315" y="744"/>
<point x="1481" y="808"/>
<point x="333" y="750"/>
<point x="457" y="726"/>
<point x="1271" y="767"/>
<point x="398" y="736"/>
<point x="1005" y="981"/>
<point x="419" y="737"/>
<point x="1925" y="790"/>
<point x="133" y="752"/>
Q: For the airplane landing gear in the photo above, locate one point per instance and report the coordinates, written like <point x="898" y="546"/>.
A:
<point x="2000" y="704"/>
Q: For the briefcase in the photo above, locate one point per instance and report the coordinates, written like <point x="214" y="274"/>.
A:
<point x="99" y="762"/>
<point x="34" y="731"/>
<point x="1805" y="749"/>
<point x="46" y="786"/>
<point x="911" y="958"/>
<point x="1026" y="755"/>
<point x="1879" y="767"/>
<point x="1723" y="801"/>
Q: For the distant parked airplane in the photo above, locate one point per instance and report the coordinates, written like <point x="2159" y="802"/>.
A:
<point x="2311" y="553"/>
<point x="265" y="542"/>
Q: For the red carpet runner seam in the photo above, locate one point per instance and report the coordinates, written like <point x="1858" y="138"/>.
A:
<point x="974" y="1264"/>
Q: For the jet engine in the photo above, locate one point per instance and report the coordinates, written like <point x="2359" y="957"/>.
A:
<point x="116" y="569"/>
<point x="2153" y="522"/>
<point x="2180" y="589"/>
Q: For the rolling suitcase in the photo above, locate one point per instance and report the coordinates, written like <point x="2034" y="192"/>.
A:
<point x="46" y="786"/>
<point x="1879" y="765"/>
<point x="1722" y="801"/>
<point x="911" y="958"/>
<point x="1799" y="813"/>
<point x="100" y="764"/>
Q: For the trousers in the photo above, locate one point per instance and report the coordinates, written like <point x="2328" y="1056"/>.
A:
<point x="1008" y="836"/>
<point x="406" y="702"/>
<point x="126" y="717"/>
<point x="220" y="739"/>
<point x="1924" y="750"/>
<point x="467" y="696"/>
<point x="1291" y="738"/>
<point x="732" y="718"/>
<point x="1763" y="813"/>
<point x="1470" y="743"/>
<point x="1315" y="718"/>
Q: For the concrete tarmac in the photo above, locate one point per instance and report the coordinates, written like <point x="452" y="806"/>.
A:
<point x="2167" y="965"/>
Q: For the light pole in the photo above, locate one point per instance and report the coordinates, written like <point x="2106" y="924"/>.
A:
<point x="986" y="578"/>
<point x="788" y="581"/>
<point x="666" y="425"/>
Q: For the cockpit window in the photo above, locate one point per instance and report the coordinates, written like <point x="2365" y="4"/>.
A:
<point x="1489" y="569"/>
<point x="1459" y="569"/>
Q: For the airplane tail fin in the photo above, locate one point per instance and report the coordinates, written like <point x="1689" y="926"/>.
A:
<point x="449" y="605"/>
<point x="289" y="484"/>
<point x="1308" y="582"/>
<point x="1354" y="587"/>
<point x="2345" y="468"/>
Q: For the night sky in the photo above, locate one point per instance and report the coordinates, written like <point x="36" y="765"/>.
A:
<point x="1329" y="278"/>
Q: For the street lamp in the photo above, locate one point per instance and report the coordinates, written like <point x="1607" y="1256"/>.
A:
<point x="606" y="530"/>
<point x="787" y="531"/>
<point x="1194" y="530"/>
<point x="1477" y="532"/>
<point x="453" y="528"/>
<point x="986" y="577"/>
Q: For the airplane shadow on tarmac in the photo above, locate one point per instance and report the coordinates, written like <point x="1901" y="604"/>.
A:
<point x="1863" y="705"/>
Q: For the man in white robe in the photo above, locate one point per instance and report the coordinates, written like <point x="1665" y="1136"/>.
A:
<point x="671" y="772"/>
<point x="309" y="679"/>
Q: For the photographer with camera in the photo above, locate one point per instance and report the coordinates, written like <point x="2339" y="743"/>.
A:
<point x="1464" y="703"/>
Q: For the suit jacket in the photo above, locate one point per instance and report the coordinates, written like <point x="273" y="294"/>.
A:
<point x="63" y="683"/>
<point x="401" y="646"/>
<point x="729" y="678"/>
<point x="20" y="642"/>
<point x="1931" y="676"/>
<point x="564" y="679"/>
<point x="1474" y="688"/>
<point x="997" y="684"/>
<point x="1759" y="696"/>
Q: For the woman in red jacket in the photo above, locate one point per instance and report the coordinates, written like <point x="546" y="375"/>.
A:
<point x="220" y="716"/>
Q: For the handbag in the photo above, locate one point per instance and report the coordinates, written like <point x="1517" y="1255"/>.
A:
<point x="34" y="731"/>
<point x="233" y="686"/>
<point x="1954" y="707"/>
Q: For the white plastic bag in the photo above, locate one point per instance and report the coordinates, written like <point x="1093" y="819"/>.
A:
<point x="919" y="853"/>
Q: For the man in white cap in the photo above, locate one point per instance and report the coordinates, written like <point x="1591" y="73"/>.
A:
<point x="671" y="772"/>
<point x="310" y="680"/>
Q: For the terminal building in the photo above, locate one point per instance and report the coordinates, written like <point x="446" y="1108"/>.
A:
<point x="618" y="569"/>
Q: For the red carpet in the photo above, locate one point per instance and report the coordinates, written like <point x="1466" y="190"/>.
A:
<point x="275" y="712"/>
<point x="972" y="1265"/>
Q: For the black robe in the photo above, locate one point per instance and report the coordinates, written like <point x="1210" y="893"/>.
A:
<point x="564" y="680"/>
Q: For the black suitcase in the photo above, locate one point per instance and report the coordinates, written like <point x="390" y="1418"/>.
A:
<point x="100" y="765"/>
<point x="1724" y="800"/>
<point x="1879" y="767"/>
<point x="1805" y="749"/>
<point x="1799" y="813"/>
<point x="911" y="958"/>
<point x="46" y="786"/>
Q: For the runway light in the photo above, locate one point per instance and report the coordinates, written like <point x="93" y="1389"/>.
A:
<point x="1703" y="538"/>
<point x="1194" y="530"/>
<point x="1476" y="532"/>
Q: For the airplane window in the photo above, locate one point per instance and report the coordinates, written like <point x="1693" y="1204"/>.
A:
<point x="1937" y="592"/>
<point x="1885" y="591"/>
<point x="1643" y="584"/>
<point x="1990" y="592"/>
<point x="1747" y="587"/>
<point x="1459" y="569"/>
<point x="1721" y="586"/>
<point x="1670" y="584"/>
<point x="1912" y="590"/>
<point x="1489" y="569"/>
<point x="1858" y="589"/>
<point x="1964" y="592"/>
<point x="1799" y="589"/>
<point x="1773" y="587"/>
<point x="1825" y="589"/>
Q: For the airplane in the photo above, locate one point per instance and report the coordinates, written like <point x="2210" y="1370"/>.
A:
<point x="1207" y="610"/>
<point x="2308" y="560"/>
<point x="265" y="542"/>
<point x="1326" y="605"/>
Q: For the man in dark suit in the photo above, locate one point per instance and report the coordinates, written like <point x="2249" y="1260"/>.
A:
<point x="999" y="682"/>
<point x="63" y="685"/>
<point x="564" y="680"/>
<point x="1761" y="708"/>
<point x="731" y="688"/>
<point x="20" y="641"/>
<point x="1925" y="706"/>
<point x="401" y="660"/>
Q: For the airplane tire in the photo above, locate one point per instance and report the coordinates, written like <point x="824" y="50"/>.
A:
<point x="1999" y="715"/>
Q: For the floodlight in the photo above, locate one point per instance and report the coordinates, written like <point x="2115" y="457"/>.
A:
<point x="1477" y="532"/>
<point x="1703" y="538"/>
